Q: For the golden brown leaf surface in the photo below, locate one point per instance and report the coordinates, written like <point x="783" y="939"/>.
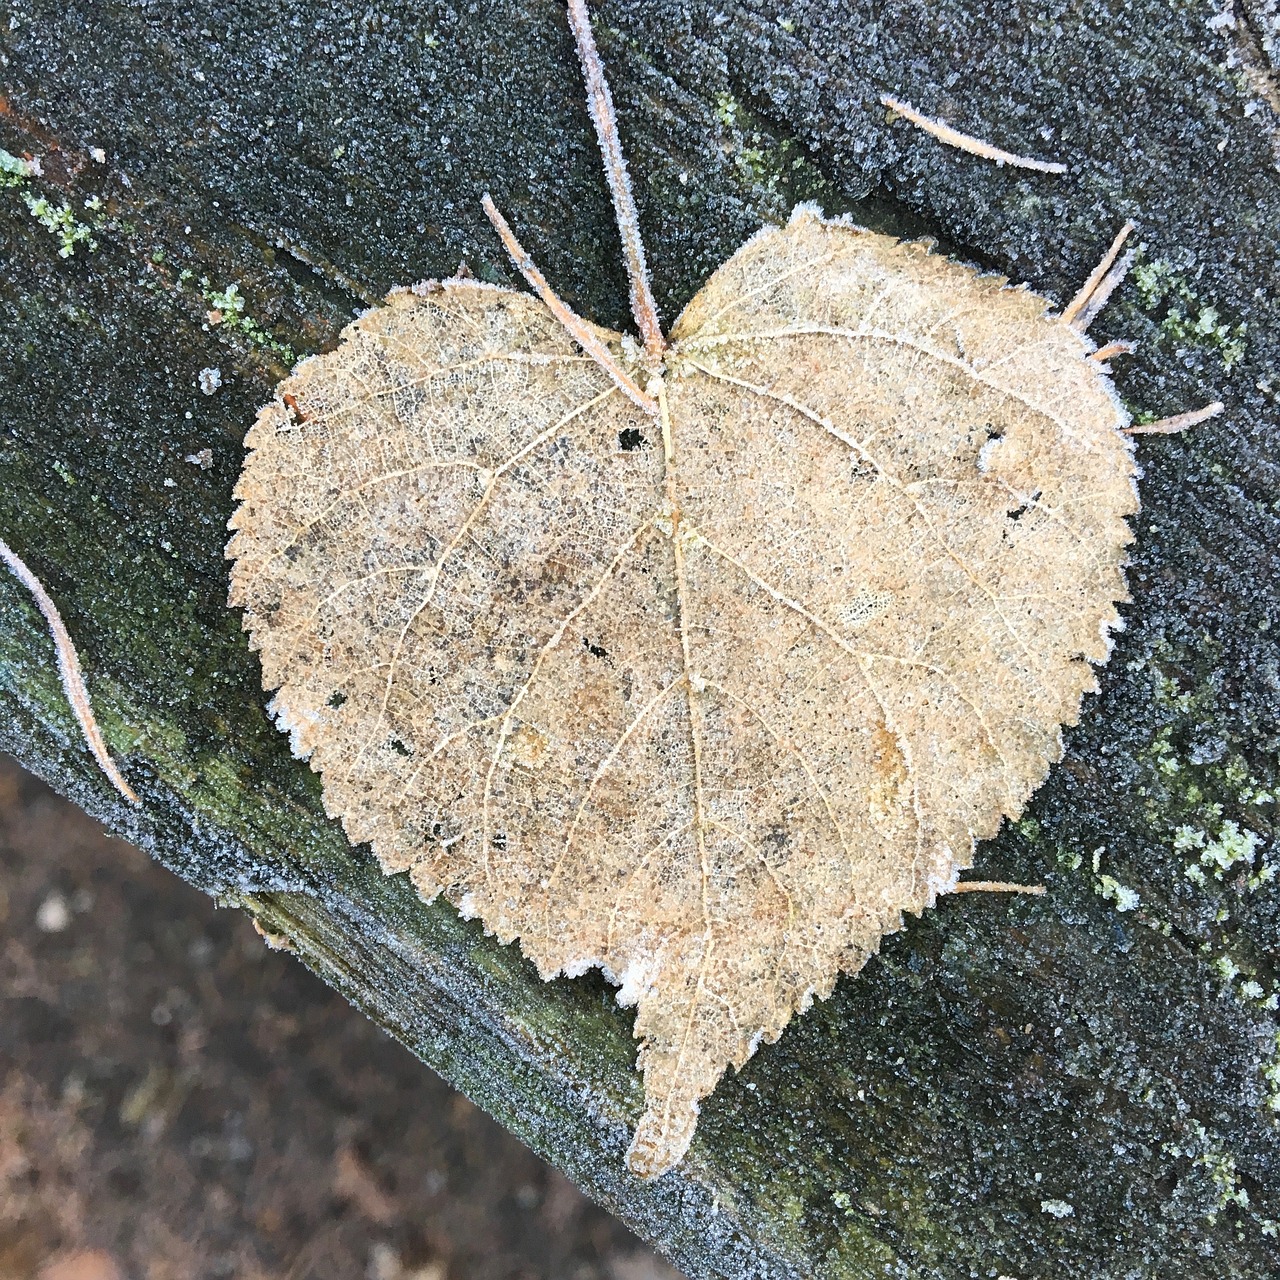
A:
<point x="706" y="702"/>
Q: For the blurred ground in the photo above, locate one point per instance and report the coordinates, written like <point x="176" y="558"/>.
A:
<point x="177" y="1101"/>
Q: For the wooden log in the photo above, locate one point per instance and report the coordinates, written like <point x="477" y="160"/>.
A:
<point x="1082" y="1084"/>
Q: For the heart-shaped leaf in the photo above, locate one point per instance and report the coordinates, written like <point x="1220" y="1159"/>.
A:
<point x="706" y="699"/>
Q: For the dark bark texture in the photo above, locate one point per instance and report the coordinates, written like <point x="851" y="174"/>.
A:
<point x="1084" y="1084"/>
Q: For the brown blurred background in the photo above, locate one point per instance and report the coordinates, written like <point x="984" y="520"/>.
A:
<point x="177" y="1101"/>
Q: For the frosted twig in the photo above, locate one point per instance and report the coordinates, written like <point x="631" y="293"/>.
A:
<point x="1112" y="349"/>
<point x="1102" y="294"/>
<point x="965" y="142"/>
<point x="573" y="323"/>
<point x="600" y="104"/>
<point x="69" y="672"/>
<point x="1086" y="299"/>
<point x="1179" y="421"/>
<point x="996" y="886"/>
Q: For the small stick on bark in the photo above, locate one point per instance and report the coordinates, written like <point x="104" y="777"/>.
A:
<point x="1102" y="294"/>
<point x="600" y="102"/>
<point x="1179" y="421"/>
<point x="69" y="672"/>
<point x="573" y="323"/>
<point x="1112" y="349"/>
<point x="996" y="886"/>
<point x="965" y="142"/>
<point x="1071" y="313"/>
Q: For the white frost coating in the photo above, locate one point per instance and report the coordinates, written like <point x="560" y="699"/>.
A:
<point x="299" y="725"/>
<point x="468" y="908"/>
<point x="984" y="454"/>
<point x="939" y="885"/>
<point x="1058" y="1208"/>
<point x="425" y="288"/>
<point x="1107" y="628"/>
<point x="636" y="979"/>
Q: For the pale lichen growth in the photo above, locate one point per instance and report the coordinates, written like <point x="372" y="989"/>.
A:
<point x="1209" y="1157"/>
<point x="1219" y="855"/>
<point x="1112" y="890"/>
<point x="1183" y="315"/>
<point x="1271" y="1074"/>
<point x="14" y="170"/>
<point x="62" y="223"/>
<point x="227" y="310"/>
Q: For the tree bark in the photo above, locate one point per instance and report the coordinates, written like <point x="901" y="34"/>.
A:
<point x="1083" y="1084"/>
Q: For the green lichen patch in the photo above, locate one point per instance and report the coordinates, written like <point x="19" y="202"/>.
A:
<point x="1219" y="854"/>
<point x="1214" y="800"/>
<point x="60" y="222"/>
<point x="73" y="228"/>
<point x="774" y="170"/>
<point x="227" y="310"/>
<point x="1184" y="316"/>
<point x="1213" y="1170"/>
<point x="1271" y="1074"/>
<point x="1112" y="890"/>
<point x="14" y="170"/>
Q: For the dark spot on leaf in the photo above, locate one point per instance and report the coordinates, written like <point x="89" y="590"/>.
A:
<point x="1018" y="512"/>
<point x="630" y="439"/>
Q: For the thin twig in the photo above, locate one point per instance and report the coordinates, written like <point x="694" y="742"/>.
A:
<point x="600" y="104"/>
<point x="1090" y="286"/>
<point x="1102" y="294"/>
<point x="996" y="886"/>
<point x="69" y="671"/>
<point x="1179" y="421"/>
<point x="1111" y="350"/>
<point x="573" y="323"/>
<point x="965" y="142"/>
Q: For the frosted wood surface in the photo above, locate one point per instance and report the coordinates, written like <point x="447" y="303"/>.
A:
<point x="999" y="1052"/>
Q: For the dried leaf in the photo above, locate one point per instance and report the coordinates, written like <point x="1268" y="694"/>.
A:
<point x="705" y="701"/>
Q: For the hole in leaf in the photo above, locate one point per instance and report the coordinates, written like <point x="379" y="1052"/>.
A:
<point x="1018" y="512"/>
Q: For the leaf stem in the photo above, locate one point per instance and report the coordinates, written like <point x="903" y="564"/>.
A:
<point x="1179" y="421"/>
<point x="966" y="142"/>
<point x="600" y="104"/>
